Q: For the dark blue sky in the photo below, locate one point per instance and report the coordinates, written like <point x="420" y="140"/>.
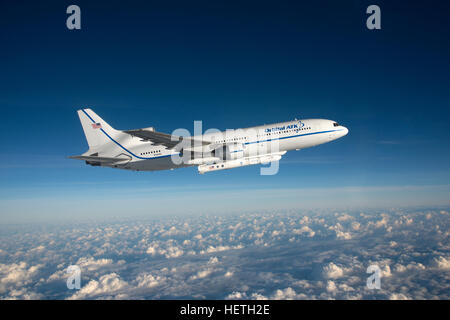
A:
<point x="231" y="65"/>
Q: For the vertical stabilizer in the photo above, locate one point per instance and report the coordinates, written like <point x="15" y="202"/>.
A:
<point x="98" y="133"/>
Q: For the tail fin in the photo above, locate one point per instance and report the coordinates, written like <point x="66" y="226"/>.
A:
<point x="98" y="133"/>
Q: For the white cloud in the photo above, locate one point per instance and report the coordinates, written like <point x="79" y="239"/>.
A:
<point x="250" y="273"/>
<point x="213" y="260"/>
<point x="23" y="294"/>
<point x="346" y="288"/>
<point x="201" y="274"/>
<point x="228" y="274"/>
<point x="91" y="264"/>
<point x="258" y="296"/>
<point x="38" y="249"/>
<point x="442" y="263"/>
<point x="173" y="252"/>
<point x="344" y="217"/>
<point x="279" y="294"/>
<point x="108" y="285"/>
<point x="16" y="275"/>
<point x="356" y="225"/>
<point x="331" y="286"/>
<point x="386" y="271"/>
<point x="153" y="250"/>
<point x="333" y="271"/>
<point x="149" y="281"/>
<point x="236" y="295"/>
<point x="172" y="232"/>
<point x="340" y="234"/>
<point x="304" y="220"/>
<point x="212" y="249"/>
<point x="343" y="235"/>
<point x="398" y="296"/>
<point x="286" y="294"/>
<point x="382" y="223"/>
<point x="304" y="229"/>
<point x="411" y="266"/>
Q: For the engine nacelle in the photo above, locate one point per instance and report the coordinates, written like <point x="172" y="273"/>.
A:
<point x="230" y="152"/>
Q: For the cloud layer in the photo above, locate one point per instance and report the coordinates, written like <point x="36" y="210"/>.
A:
<point x="289" y="255"/>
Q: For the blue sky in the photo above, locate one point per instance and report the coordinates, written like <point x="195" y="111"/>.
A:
<point x="230" y="65"/>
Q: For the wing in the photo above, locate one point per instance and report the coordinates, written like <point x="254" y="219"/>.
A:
<point x="159" y="138"/>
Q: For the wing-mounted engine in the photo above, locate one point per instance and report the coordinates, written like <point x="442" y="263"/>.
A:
<point x="214" y="153"/>
<point x="229" y="151"/>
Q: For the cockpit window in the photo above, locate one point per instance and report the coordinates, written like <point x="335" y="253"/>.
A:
<point x="336" y="124"/>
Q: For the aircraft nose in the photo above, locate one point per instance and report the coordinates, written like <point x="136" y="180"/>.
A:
<point x="345" y="132"/>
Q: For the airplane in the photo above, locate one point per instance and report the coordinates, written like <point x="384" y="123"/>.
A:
<point x="148" y="150"/>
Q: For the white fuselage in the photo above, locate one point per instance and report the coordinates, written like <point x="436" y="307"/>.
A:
<point x="250" y="142"/>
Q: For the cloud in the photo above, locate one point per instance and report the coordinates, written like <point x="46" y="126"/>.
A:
<point x="332" y="271"/>
<point x="279" y="294"/>
<point x="236" y="257"/>
<point x="213" y="260"/>
<point x="304" y="229"/>
<point x="331" y="286"/>
<point x="16" y="275"/>
<point x="152" y="250"/>
<point x="356" y="225"/>
<point x="23" y="294"/>
<point x="411" y="266"/>
<point x="286" y="294"/>
<point x="173" y="252"/>
<point x="345" y="217"/>
<point x="386" y="271"/>
<point x="149" y="281"/>
<point x="201" y="274"/>
<point x="340" y="234"/>
<point x="108" y="285"/>
<point x="91" y="264"/>
<point x="398" y="296"/>
<point x="343" y="235"/>
<point x="236" y="295"/>
<point x="38" y="249"/>
<point x="442" y="263"/>
<point x="381" y="223"/>
<point x="212" y="249"/>
<point x="228" y="274"/>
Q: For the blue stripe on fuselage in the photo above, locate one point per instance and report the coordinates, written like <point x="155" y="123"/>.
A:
<point x="298" y="135"/>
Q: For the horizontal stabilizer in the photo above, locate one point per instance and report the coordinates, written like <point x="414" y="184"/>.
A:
<point x="100" y="159"/>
